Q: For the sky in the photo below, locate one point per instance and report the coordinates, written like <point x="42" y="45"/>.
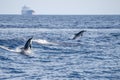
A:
<point x="62" y="7"/>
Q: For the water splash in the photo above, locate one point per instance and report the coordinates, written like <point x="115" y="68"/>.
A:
<point x="41" y="41"/>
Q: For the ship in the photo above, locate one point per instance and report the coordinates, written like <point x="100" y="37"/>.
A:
<point x="27" y="11"/>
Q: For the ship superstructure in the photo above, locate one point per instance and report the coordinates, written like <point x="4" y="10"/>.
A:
<point x="27" y="11"/>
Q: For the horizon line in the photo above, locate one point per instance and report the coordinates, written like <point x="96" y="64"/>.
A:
<point x="60" y="14"/>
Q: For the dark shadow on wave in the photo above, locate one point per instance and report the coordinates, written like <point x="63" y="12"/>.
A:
<point x="11" y="43"/>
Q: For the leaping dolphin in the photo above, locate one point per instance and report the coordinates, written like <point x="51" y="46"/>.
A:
<point x="24" y="50"/>
<point x="27" y="47"/>
<point x="28" y="44"/>
<point x="79" y="34"/>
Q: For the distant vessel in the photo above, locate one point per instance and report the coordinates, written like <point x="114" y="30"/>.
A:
<point x="26" y="11"/>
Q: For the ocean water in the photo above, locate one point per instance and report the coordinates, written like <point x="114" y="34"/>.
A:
<point x="55" y="56"/>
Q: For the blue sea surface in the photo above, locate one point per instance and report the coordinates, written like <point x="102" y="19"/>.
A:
<point x="55" y="56"/>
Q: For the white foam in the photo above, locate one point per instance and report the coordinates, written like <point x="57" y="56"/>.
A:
<point x="11" y="50"/>
<point x="17" y="50"/>
<point x="41" y="41"/>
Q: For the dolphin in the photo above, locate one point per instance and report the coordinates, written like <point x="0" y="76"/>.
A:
<point x="24" y="50"/>
<point x="28" y="44"/>
<point x="27" y="47"/>
<point x="79" y="34"/>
